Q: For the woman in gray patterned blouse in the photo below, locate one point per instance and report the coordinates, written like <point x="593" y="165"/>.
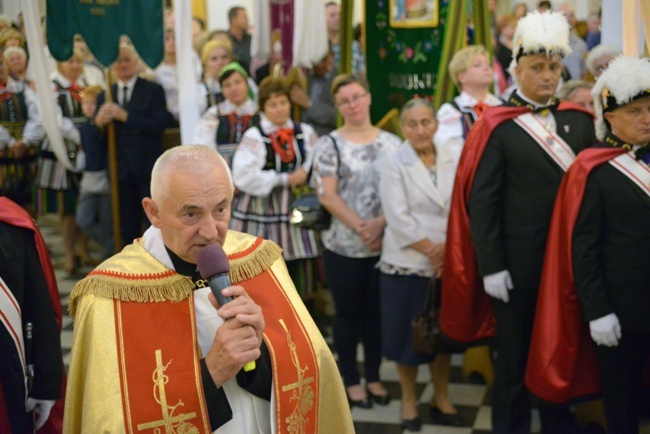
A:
<point x="347" y="179"/>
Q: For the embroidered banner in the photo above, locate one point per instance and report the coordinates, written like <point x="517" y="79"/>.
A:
<point x="403" y="48"/>
<point x="160" y="371"/>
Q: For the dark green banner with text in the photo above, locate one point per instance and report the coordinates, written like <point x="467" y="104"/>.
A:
<point x="404" y="41"/>
<point x="101" y="23"/>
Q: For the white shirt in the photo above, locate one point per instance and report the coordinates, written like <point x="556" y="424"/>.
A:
<point x="205" y="132"/>
<point x="248" y="162"/>
<point x="449" y="136"/>
<point x="33" y="132"/>
<point x="129" y="89"/>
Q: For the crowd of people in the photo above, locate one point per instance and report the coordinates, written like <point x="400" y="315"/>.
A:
<point x="465" y="203"/>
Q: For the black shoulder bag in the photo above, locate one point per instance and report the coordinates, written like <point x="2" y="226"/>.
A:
<point x="306" y="210"/>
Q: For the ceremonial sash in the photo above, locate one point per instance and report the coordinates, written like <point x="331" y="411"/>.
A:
<point x="12" y="319"/>
<point x="161" y="381"/>
<point x="636" y="171"/>
<point x="550" y="142"/>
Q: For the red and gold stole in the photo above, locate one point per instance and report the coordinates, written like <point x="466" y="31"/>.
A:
<point x="296" y="378"/>
<point x="165" y="351"/>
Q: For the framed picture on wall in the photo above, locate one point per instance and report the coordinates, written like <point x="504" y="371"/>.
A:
<point x="414" y="13"/>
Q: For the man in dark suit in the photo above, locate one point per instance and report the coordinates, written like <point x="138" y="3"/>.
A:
<point x="611" y="241"/>
<point x="140" y="115"/>
<point x="511" y="167"/>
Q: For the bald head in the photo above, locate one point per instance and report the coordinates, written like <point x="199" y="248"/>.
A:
<point x="191" y="159"/>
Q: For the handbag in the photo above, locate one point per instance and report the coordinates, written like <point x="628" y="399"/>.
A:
<point x="306" y="210"/>
<point x="424" y="325"/>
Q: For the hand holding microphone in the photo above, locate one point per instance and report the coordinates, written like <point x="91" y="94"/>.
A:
<point x="214" y="267"/>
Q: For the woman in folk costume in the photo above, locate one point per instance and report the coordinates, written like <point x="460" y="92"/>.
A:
<point x="20" y="133"/>
<point x="58" y="187"/>
<point x="215" y="55"/>
<point x="222" y="126"/>
<point x="271" y="160"/>
<point x="16" y="60"/>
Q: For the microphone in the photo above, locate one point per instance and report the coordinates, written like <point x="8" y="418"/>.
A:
<point x="214" y="267"/>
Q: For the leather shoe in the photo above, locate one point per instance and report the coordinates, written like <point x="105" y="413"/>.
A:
<point x="413" y="425"/>
<point x="379" y="399"/>
<point x="366" y="404"/>
<point x="448" y="419"/>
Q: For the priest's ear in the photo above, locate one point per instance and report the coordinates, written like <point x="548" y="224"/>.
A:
<point x="152" y="211"/>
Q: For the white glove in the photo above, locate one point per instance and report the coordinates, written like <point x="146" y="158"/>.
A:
<point x="606" y="330"/>
<point x="41" y="410"/>
<point x="497" y="285"/>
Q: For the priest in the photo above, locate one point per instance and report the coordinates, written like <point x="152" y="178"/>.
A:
<point x="152" y="348"/>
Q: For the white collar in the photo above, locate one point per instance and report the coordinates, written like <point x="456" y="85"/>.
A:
<point x="466" y="100"/>
<point x="270" y="128"/>
<point x="67" y="83"/>
<point x="213" y="85"/>
<point x="530" y="101"/>
<point x="129" y="84"/>
<point x="14" y="86"/>
<point x="153" y="243"/>
<point x="248" y="108"/>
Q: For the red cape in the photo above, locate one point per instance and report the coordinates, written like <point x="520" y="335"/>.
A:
<point x="562" y="361"/>
<point x="13" y="214"/>
<point x="466" y="313"/>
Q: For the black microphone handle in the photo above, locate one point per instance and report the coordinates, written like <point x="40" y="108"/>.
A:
<point x="217" y="284"/>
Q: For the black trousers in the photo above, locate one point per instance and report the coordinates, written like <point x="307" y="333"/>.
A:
<point x="354" y="283"/>
<point x="132" y="215"/>
<point x="621" y="373"/>
<point x="511" y="401"/>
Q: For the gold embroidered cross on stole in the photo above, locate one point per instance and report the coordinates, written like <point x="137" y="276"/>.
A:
<point x="169" y="421"/>
<point x="302" y="393"/>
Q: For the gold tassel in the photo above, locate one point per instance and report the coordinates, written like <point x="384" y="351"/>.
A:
<point x="174" y="288"/>
<point x="260" y="260"/>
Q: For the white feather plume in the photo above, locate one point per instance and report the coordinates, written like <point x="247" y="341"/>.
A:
<point x="537" y="32"/>
<point x="624" y="78"/>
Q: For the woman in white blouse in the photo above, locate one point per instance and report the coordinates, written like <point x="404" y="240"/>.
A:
<point x="348" y="180"/>
<point x="415" y="191"/>
<point x="58" y="188"/>
<point x="223" y="125"/>
<point x="271" y="159"/>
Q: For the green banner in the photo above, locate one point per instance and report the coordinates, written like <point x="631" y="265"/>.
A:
<point x="101" y="23"/>
<point x="404" y="42"/>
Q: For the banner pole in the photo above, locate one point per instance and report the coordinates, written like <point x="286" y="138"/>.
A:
<point x="112" y="168"/>
<point x="345" y="37"/>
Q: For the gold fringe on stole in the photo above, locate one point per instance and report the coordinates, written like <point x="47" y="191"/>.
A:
<point x="132" y="275"/>
<point x="254" y="263"/>
<point x="173" y="288"/>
